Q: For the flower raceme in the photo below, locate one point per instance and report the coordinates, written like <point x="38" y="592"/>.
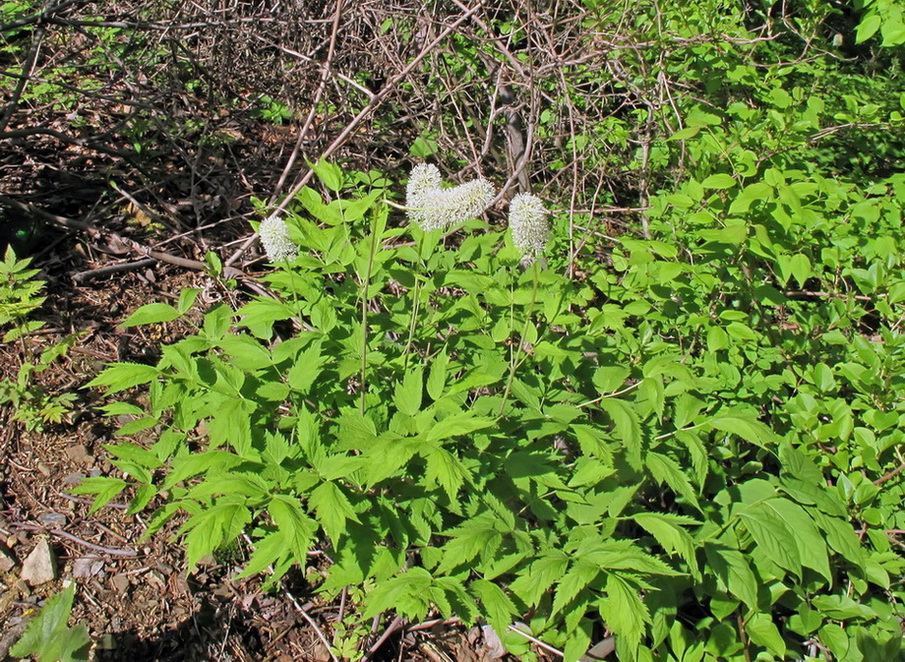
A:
<point x="528" y="222"/>
<point x="275" y="239"/>
<point x="433" y="207"/>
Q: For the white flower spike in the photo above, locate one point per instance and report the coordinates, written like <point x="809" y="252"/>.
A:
<point x="528" y="222"/>
<point x="433" y="207"/>
<point x="275" y="239"/>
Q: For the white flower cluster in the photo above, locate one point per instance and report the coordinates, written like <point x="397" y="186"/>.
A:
<point x="528" y="223"/>
<point x="275" y="239"/>
<point x="433" y="207"/>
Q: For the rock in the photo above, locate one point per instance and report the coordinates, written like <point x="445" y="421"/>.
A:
<point x="7" y="560"/>
<point x="79" y="454"/>
<point x="41" y="565"/>
<point x="87" y="567"/>
<point x="52" y="520"/>
<point x="493" y="646"/>
<point x="120" y="583"/>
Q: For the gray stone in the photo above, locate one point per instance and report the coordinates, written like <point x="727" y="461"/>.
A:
<point x="41" y="565"/>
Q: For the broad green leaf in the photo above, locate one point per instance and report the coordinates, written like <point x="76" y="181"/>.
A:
<point x="151" y="313"/>
<point x="733" y="571"/>
<point x="406" y="594"/>
<point x="748" y="429"/>
<point x="686" y="133"/>
<point x="498" y="606"/>
<point x="436" y="378"/>
<point x="121" y="376"/>
<point x="332" y="508"/>
<point x="298" y="529"/>
<point x="330" y="174"/>
<point x="763" y="632"/>
<point x="446" y="469"/>
<point x="211" y="528"/>
<point x="187" y="299"/>
<point x="718" y="181"/>
<point x="868" y="27"/>
<point x="670" y="535"/>
<point x="666" y="470"/>
<point x="408" y="393"/>
<point x="628" y="428"/>
<point x="773" y="536"/>
<point x="458" y="425"/>
<point x="105" y="489"/>
<point x="811" y="543"/>
<point x="267" y="552"/>
<point x="624" y="612"/>
<point x="571" y="584"/>
<point x="48" y="635"/>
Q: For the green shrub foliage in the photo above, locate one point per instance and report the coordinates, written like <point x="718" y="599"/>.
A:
<point x="679" y="446"/>
<point x="690" y="438"/>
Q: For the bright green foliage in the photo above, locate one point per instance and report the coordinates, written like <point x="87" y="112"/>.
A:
<point x="695" y="443"/>
<point x="20" y="293"/>
<point x="642" y="448"/>
<point x="48" y="635"/>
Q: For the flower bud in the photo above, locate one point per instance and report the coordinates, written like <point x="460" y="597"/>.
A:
<point x="528" y="223"/>
<point x="276" y="241"/>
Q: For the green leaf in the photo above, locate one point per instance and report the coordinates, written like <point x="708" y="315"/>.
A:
<point x="686" y="133"/>
<point x="407" y="396"/>
<point x="718" y="181"/>
<point x="151" y="313"/>
<point x="763" y="632"/>
<point x="731" y="568"/>
<point x="267" y="551"/>
<point x="843" y="608"/>
<point x="306" y="368"/>
<point x="573" y="582"/>
<point x="332" y="508"/>
<point x="104" y="488"/>
<point x="670" y="535"/>
<point x="330" y="174"/>
<point x="211" y="528"/>
<point x="808" y="538"/>
<point x="121" y="376"/>
<point x="217" y="321"/>
<point x="48" y="636"/>
<point x="666" y="470"/>
<point x="628" y="428"/>
<point x="187" y="299"/>
<point x="406" y="594"/>
<point x="773" y="536"/>
<point x="446" y="469"/>
<point x="458" y="425"/>
<point x="741" y="331"/>
<point x="498" y="606"/>
<point x="868" y="27"/>
<point x="624" y="612"/>
<point x="748" y="429"/>
<point x="298" y="529"/>
<point x="436" y="378"/>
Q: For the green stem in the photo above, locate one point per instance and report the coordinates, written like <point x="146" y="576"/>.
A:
<point x="516" y="359"/>
<point x="416" y="306"/>
<point x="366" y="282"/>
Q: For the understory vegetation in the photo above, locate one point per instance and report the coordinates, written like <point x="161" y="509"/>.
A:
<point x="679" y="425"/>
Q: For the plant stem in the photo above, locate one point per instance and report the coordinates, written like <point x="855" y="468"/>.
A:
<point x="515" y="361"/>
<point x="366" y="282"/>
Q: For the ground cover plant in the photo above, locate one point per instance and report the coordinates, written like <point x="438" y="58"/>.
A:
<point x="656" y="405"/>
